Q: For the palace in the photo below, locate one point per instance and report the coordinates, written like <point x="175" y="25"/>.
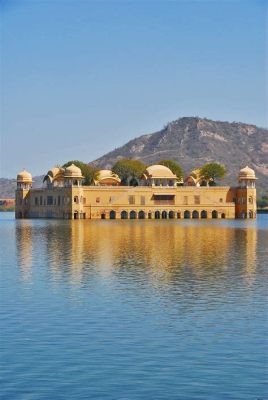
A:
<point x="158" y="195"/>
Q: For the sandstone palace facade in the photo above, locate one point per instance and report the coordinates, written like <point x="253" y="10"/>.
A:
<point x="159" y="195"/>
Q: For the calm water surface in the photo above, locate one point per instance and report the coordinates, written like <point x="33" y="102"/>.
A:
<point x="134" y="309"/>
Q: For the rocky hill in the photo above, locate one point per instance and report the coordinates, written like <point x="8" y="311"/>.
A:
<point x="8" y="186"/>
<point x="191" y="141"/>
<point x="194" y="141"/>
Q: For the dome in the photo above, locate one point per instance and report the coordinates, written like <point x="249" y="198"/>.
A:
<point x="73" y="172"/>
<point x="107" y="176"/>
<point x="24" y="176"/>
<point x="159" y="171"/>
<point x="53" y="174"/>
<point x="195" y="178"/>
<point x="247" y="173"/>
<point x="196" y="173"/>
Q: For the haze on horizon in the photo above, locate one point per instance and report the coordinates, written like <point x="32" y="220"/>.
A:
<point x="81" y="78"/>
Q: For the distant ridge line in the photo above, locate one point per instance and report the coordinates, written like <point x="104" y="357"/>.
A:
<point x="193" y="141"/>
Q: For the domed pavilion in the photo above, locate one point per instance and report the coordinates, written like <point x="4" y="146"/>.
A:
<point x="159" y="175"/>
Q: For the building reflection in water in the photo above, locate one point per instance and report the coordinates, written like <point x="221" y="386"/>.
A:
<point x="24" y="246"/>
<point x="160" y="252"/>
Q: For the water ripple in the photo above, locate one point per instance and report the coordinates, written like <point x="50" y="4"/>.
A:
<point x="134" y="309"/>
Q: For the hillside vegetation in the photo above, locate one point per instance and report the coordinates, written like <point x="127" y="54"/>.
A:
<point x="193" y="142"/>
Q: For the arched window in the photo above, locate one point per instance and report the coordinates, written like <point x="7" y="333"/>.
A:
<point x="157" y="215"/>
<point x="204" y="214"/>
<point x="132" y="215"/>
<point x="124" y="215"/>
<point x="187" y="214"/>
<point x="76" y="199"/>
<point x="195" y="214"/>
<point x="171" y="215"/>
<point x="164" y="215"/>
<point x="214" y="214"/>
<point x="112" y="214"/>
<point x="141" y="214"/>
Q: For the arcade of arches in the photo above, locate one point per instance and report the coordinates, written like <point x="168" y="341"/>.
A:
<point x="163" y="214"/>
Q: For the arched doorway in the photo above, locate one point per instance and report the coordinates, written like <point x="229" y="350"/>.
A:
<point x="195" y="214"/>
<point x="223" y="215"/>
<point x="204" y="214"/>
<point x="132" y="215"/>
<point x="149" y="215"/>
<point x="124" y="215"/>
<point x="164" y="215"/>
<point x="112" y="214"/>
<point x="187" y="214"/>
<point x="214" y="214"/>
<point x="178" y="215"/>
<point x="157" y="215"/>
<point x="103" y="216"/>
<point x="250" y="214"/>
<point x="171" y="215"/>
<point x="76" y="215"/>
<point x="141" y="214"/>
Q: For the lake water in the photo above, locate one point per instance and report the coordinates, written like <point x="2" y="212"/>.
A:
<point x="134" y="309"/>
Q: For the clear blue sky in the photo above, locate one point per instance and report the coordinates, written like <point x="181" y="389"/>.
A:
<point x="80" y="78"/>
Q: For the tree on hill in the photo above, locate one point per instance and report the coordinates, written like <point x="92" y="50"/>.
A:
<point x="129" y="171"/>
<point x="212" y="171"/>
<point x="173" y="166"/>
<point x="88" y="171"/>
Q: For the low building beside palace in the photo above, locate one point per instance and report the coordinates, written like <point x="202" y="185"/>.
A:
<point x="159" y="195"/>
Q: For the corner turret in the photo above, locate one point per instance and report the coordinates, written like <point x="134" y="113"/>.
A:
<point x="246" y="206"/>
<point x="247" y="178"/>
<point x="24" y="184"/>
<point x="24" y="180"/>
